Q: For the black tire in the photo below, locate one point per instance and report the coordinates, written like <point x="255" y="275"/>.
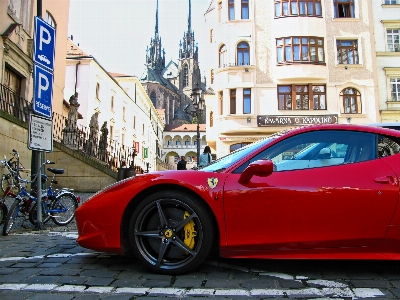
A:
<point x="171" y="233"/>
<point x="3" y="212"/>
<point x="64" y="200"/>
<point x="11" y="217"/>
<point x="33" y="215"/>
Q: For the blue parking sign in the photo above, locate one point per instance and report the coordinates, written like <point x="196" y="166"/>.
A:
<point x="45" y="41"/>
<point x="43" y="94"/>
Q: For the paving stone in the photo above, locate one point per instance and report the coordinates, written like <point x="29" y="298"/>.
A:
<point x="128" y="282"/>
<point x="42" y="279"/>
<point x="188" y="282"/>
<point x="369" y="283"/>
<point x="88" y="297"/>
<point x="41" y="296"/>
<point x="17" y="295"/>
<point x="76" y="280"/>
<point x="117" y="297"/>
<point x="98" y="281"/>
<point x="99" y="273"/>
<point x="157" y="283"/>
<point x="260" y="283"/>
<point x="291" y="284"/>
<point x="49" y="265"/>
<point x="61" y="271"/>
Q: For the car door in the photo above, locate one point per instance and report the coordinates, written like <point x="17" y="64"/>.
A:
<point x="343" y="205"/>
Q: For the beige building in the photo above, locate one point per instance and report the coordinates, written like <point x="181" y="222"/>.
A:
<point x="387" y="42"/>
<point x="280" y="64"/>
<point x="16" y="57"/>
<point x="16" y="47"/>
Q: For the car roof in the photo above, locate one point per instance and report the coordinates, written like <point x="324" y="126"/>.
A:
<point x="353" y="127"/>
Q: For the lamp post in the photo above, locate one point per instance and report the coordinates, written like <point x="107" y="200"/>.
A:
<point x="198" y="103"/>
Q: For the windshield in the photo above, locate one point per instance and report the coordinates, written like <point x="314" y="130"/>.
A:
<point x="226" y="161"/>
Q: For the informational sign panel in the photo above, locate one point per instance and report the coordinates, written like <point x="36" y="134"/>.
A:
<point x="264" y="121"/>
<point x="43" y="94"/>
<point x="45" y="42"/>
<point x="145" y="152"/>
<point x="137" y="147"/>
<point x="40" y="135"/>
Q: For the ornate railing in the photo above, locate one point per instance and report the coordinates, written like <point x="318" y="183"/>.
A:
<point x="90" y="141"/>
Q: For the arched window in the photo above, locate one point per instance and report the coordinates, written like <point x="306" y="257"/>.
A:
<point x="211" y="119"/>
<point x="50" y="20"/>
<point x="243" y="54"/>
<point x="153" y="98"/>
<point x="222" y="56"/>
<point x="185" y="76"/>
<point x="351" y="99"/>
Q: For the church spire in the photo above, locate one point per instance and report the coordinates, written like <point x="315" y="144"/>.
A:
<point x="188" y="49"/>
<point x="156" y="29"/>
<point x="155" y="55"/>
<point x="190" y="17"/>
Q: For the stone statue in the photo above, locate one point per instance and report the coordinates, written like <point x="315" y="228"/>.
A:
<point x="73" y="111"/>
<point x="103" y="142"/>
<point x="93" y="134"/>
<point x="71" y="135"/>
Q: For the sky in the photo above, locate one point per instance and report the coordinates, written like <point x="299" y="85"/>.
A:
<point x="117" y="32"/>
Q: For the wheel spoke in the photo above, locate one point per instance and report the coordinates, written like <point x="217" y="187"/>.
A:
<point x="183" y="246"/>
<point x="182" y="223"/>
<point x="163" y="248"/>
<point x="163" y="219"/>
<point x="151" y="233"/>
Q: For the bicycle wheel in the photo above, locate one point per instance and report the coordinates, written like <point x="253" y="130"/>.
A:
<point x="11" y="217"/>
<point x="65" y="205"/>
<point x="3" y="212"/>
<point x="33" y="215"/>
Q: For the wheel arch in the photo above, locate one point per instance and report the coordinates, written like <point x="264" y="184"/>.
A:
<point x="125" y="246"/>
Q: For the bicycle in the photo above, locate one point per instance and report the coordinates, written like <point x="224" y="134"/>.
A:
<point x="13" y="166"/>
<point x="52" y="207"/>
<point x="9" y="185"/>
<point x="57" y="205"/>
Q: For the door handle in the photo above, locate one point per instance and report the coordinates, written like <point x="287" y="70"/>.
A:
<point x="383" y="180"/>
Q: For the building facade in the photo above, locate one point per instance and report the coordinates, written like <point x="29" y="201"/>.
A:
<point x="117" y="103"/>
<point x="16" y="48"/>
<point x="386" y="15"/>
<point x="280" y="64"/>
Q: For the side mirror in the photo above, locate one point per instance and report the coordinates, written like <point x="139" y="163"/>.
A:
<point x="261" y="168"/>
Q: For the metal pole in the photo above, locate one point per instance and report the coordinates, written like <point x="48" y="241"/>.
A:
<point x="36" y="160"/>
<point x="38" y="225"/>
<point x="198" y="136"/>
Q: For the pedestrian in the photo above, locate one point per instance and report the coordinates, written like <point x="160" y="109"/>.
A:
<point x="205" y="158"/>
<point x="181" y="164"/>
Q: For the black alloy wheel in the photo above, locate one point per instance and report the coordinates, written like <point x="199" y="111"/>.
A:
<point x="171" y="232"/>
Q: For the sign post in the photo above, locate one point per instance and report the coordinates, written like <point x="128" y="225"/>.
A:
<point x="40" y="137"/>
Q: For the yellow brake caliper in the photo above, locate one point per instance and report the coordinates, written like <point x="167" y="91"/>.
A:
<point x="190" y="233"/>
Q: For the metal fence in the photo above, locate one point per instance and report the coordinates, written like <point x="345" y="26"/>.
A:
<point x="75" y="136"/>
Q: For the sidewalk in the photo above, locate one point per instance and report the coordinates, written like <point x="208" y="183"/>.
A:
<point x="24" y="225"/>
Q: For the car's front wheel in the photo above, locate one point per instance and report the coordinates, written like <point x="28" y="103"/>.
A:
<point x="171" y="232"/>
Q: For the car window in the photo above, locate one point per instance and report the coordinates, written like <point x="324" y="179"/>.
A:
<point x="387" y="146"/>
<point x="319" y="149"/>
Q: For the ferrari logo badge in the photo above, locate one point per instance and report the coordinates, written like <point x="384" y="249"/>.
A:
<point x="212" y="182"/>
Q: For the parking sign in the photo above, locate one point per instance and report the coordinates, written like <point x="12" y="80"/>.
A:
<point x="45" y="39"/>
<point x="43" y="94"/>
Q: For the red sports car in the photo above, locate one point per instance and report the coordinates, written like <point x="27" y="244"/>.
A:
<point x="317" y="192"/>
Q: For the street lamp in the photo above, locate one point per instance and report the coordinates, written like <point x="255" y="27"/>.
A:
<point x="198" y="103"/>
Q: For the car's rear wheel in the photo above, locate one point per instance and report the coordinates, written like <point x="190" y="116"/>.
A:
<point x="171" y="232"/>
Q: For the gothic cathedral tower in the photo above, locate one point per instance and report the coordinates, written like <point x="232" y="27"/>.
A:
<point x="188" y="65"/>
